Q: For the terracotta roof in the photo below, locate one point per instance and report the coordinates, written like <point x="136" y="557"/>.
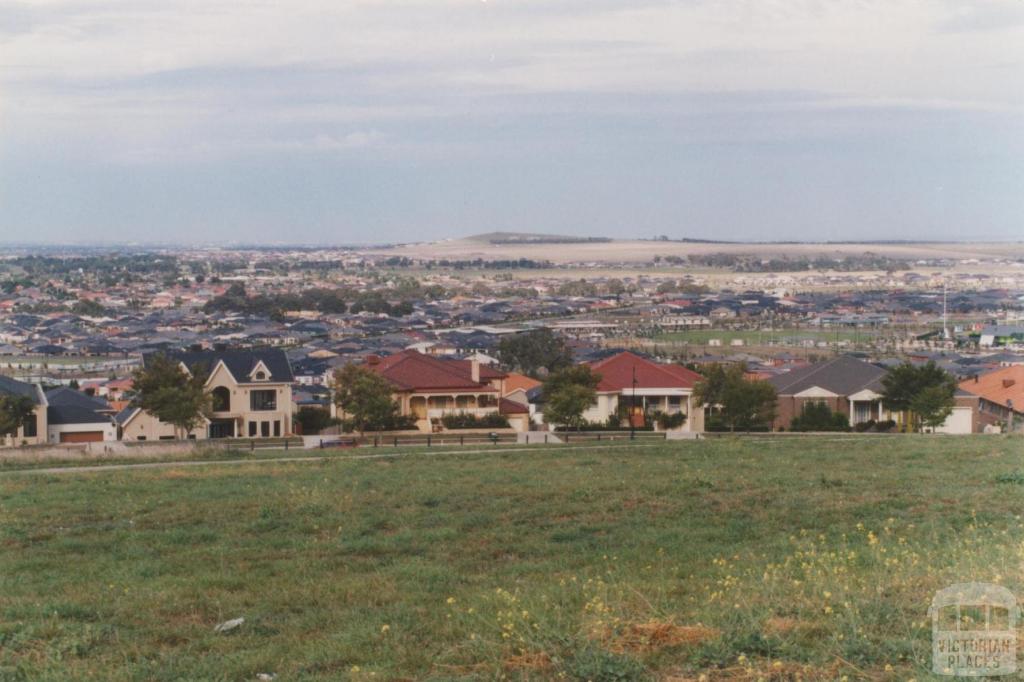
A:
<point x="414" y="371"/>
<point x="506" y="406"/>
<point x="999" y="385"/>
<point x="515" y="381"/>
<point x="617" y="373"/>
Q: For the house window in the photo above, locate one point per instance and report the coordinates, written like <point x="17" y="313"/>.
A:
<point x="221" y="399"/>
<point x="674" y="401"/>
<point x="261" y="401"/>
<point x="252" y="429"/>
<point x="265" y="429"/>
<point x="261" y="376"/>
<point x="29" y="428"/>
<point x="277" y="428"/>
<point x="141" y="438"/>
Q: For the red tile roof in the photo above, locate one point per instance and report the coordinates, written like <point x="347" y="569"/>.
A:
<point x="411" y="370"/>
<point x="617" y="373"/>
<point x="506" y="406"/>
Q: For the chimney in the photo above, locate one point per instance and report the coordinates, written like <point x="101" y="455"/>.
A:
<point x="1008" y="382"/>
<point x="474" y="370"/>
<point x="372" y="360"/>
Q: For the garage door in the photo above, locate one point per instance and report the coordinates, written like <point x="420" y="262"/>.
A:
<point x="958" y="422"/>
<point x="81" y="437"/>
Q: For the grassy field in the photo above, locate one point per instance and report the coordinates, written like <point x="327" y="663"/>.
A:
<point x="732" y="558"/>
<point x="779" y="336"/>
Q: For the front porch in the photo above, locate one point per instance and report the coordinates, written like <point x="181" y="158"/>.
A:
<point x="429" y="409"/>
<point x="646" y="404"/>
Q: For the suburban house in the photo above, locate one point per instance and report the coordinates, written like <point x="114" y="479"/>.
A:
<point x="428" y="388"/>
<point x="32" y="433"/>
<point x="1000" y="395"/>
<point x="844" y="383"/>
<point x="635" y="389"/>
<point x="251" y="393"/>
<point x="74" y="417"/>
<point x="854" y="388"/>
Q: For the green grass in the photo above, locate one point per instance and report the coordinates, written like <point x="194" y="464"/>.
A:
<point x="754" y="337"/>
<point x="731" y="557"/>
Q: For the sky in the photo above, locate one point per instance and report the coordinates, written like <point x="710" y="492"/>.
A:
<point x="378" y="121"/>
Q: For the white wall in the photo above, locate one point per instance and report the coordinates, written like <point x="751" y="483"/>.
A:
<point x="53" y="431"/>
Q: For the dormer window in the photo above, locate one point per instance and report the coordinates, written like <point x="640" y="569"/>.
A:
<point x="260" y="372"/>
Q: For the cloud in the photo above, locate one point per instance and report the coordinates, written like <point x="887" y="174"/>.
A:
<point x="573" y="86"/>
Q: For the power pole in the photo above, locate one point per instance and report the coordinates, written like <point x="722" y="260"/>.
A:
<point x="632" y="410"/>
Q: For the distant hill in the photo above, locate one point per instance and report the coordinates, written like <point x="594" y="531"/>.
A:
<point x="533" y="238"/>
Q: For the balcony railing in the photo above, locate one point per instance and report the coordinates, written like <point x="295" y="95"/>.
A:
<point x="437" y="413"/>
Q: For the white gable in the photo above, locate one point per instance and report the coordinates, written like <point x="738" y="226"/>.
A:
<point x="816" y="392"/>
<point x="866" y="394"/>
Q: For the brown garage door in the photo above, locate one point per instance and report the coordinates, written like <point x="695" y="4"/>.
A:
<point x="82" y="437"/>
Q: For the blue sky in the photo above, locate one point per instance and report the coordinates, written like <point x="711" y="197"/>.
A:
<point x="375" y="121"/>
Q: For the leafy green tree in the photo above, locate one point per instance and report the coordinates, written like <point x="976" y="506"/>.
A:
<point x="568" y="393"/>
<point x="534" y="351"/>
<point x="933" y="405"/>
<point x="733" y="402"/>
<point x="710" y="390"/>
<point x="905" y="390"/>
<point x="164" y="389"/>
<point x="16" y="411"/>
<point x="314" y="419"/>
<point x="817" y="416"/>
<point x="365" y="398"/>
<point x="88" y="308"/>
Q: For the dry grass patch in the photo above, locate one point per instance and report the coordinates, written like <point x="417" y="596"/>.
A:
<point x="654" y="635"/>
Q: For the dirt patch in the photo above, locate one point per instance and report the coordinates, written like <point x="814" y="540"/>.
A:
<point x="528" y="661"/>
<point x="655" y="635"/>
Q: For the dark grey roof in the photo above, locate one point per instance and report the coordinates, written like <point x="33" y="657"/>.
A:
<point x="240" y="363"/>
<point x="842" y="375"/>
<point x="124" y="415"/>
<point x="68" y="406"/>
<point x="14" y="387"/>
<point x="69" y="396"/>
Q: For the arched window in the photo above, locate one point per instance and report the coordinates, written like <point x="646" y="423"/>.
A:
<point x="221" y="399"/>
<point x="261" y="376"/>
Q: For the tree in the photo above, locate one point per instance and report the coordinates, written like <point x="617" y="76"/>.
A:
<point x="710" y="390"/>
<point x="88" y="308"/>
<point x="733" y="402"/>
<point x="314" y="419"/>
<point x="16" y="411"/>
<point x="365" y="397"/>
<point x="817" y="416"/>
<point x="906" y="390"/>
<point x="534" y="351"/>
<point x="933" y="405"/>
<point x="568" y="393"/>
<point x="164" y="389"/>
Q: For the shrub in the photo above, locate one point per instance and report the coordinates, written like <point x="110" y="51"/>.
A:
<point x="669" y="421"/>
<point x="396" y="423"/>
<point x="461" y="420"/>
<point x="817" y="416"/>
